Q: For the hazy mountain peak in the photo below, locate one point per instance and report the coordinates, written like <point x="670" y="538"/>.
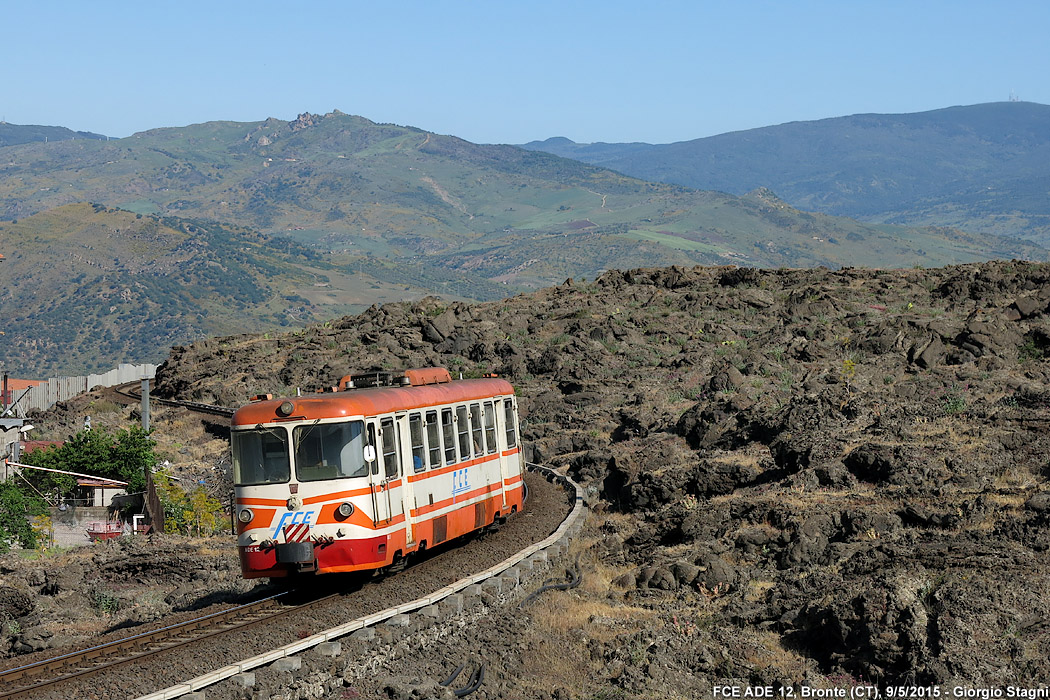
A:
<point x="983" y="168"/>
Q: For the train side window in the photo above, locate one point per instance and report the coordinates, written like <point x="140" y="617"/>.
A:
<point x="475" y="425"/>
<point x="415" y="431"/>
<point x="463" y="429"/>
<point x="389" y="447"/>
<point x="490" y="427"/>
<point x="448" y="434"/>
<point x="372" y="443"/>
<point x="512" y="424"/>
<point x="433" y="440"/>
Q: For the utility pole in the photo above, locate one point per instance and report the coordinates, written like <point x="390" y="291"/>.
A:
<point x="145" y="404"/>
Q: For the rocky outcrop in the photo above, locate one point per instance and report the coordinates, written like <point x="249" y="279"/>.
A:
<point x="850" y="465"/>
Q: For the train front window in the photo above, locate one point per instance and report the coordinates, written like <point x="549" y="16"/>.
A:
<point x="330" y="451"/>
<point x="260" y="456"/>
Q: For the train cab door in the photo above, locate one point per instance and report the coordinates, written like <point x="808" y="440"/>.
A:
<point x="504" y="413"/>
<point x="409" y="433"/>
<point x="377" y="480"/>
<point x="390" y="468"/>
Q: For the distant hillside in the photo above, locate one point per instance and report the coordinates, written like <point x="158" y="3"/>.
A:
<point x="83" y="287"/>
<point x="983" y="168"/>
<point x="446" y="215"/>
<point x="14" y="134"/>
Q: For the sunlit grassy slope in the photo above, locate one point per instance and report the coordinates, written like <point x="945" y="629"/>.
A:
<point x="387" y="197"/>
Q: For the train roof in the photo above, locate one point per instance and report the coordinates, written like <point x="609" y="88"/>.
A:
<point x="369" y="402"/>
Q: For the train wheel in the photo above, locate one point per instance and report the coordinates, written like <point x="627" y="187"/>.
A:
<point x="396" y="566"/>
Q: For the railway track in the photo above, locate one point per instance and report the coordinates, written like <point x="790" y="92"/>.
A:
<point x="160" y="658"/>
<point x="132" y="390"/>
<point x="31" y="679"/>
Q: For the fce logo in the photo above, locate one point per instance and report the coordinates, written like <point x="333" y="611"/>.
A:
<point x="459" y="481"/>
<point x="289" y="518"/>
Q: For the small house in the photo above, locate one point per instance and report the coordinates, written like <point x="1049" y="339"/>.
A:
<point x="98" y="492"/>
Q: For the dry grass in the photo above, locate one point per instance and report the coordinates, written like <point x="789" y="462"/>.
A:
<point x="756" y="590"/>
<point x="1014" y="502"/>
<point x="765" y="650"/>
<point x="1016" y="477"/>
<point x="753" y="455"/>
<point x="192" y="452"/>
<point x="104" y="406"/>
<point x="560" y="616"/>
<point x="949" y="430"/>
<point x="564" y="622"/>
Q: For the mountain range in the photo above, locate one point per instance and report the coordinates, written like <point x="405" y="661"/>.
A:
<point x="14" y="134"/>
<point x="340" y="212"/>
<point x="981" y="168"/>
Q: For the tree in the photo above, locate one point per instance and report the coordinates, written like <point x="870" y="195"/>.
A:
<point x="132" y="456"/>
<point x="124" y="456"/>
<point x="193" y="513"/>
<point x="17" y="505"/>
<point x="202" y="512"/>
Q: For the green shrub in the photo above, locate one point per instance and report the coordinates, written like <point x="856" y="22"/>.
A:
<point x="17" y="504"/>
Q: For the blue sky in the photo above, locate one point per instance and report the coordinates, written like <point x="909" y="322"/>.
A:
<point x="510" y="72"/>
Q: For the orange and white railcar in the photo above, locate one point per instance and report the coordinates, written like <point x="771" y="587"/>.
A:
<point x="360" y="478"/>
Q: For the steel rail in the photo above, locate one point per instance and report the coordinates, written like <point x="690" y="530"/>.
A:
<point x="112" y="654"/>
<point x="128" y="391"/>
<point x="103" y="657"/>
<point x="569" y="527"/>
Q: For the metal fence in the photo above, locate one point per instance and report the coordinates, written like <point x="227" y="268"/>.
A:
<point x="47" y="394"/>
<point x="153" y="507"/>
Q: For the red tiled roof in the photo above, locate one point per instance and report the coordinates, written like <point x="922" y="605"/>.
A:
<point x="104" y="483"/>
<point x="30" y="445"/>
<point x="20" y="384"/>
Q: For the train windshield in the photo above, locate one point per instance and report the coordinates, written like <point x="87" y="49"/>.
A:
<point x="330" y="451"/>
<point x="260" y="456"/>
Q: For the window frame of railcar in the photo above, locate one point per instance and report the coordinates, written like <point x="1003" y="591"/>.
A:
<point x="448" y="434"/>
<point x="266" y="458"/>
<point x="463" y="431"/>
<point x="415" y="437"/>
<point x="433" y="438"/>
<point x="373" y="442"/>
<point x="488" y="413"/>
<point x="391" y="459"/>
<point x="350" y="452"/>
<point x="477" y="433"/>
<point x="512" y="423"/>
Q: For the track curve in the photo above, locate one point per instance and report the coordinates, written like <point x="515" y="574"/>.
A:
<point x="162" y="668"/>
<point x="132" y="390"/>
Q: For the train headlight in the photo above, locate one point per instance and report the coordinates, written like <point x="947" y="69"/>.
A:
<point x="286" y="408"/>
<point x="246" y="515"/>
<point x="345" y="509"/>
